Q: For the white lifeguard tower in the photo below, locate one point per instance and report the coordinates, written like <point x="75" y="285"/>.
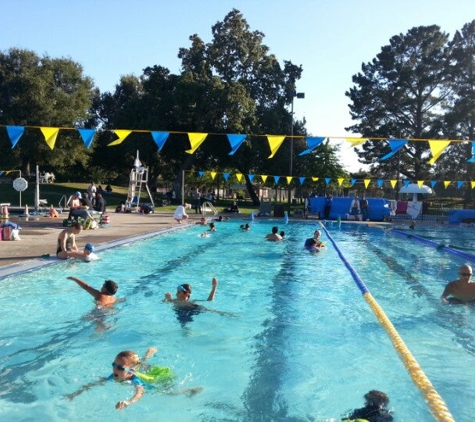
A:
<point x="138" y="177"/>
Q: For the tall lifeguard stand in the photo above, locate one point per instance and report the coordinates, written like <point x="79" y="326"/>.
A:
<point x="138" y="177"/>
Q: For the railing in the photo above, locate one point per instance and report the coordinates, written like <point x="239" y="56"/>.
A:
<point x="63" y="202"/>
<point x="208" y="206"/>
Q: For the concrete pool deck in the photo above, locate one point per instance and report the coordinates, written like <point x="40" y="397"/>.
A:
<point x="39" y="236"/>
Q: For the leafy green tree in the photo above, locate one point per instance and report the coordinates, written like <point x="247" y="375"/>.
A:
<point x="401" y="94"/>
<point x="43" y="91"/>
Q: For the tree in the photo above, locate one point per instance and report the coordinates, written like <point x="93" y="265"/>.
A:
<point x="401" y="94"/>
<point x="43" y="91"/>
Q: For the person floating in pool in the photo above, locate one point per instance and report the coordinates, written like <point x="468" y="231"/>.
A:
<point x="125" y="369"/>
<point x="212" y="227"/>
<point x="461" y="290"/>
<point x="246" y="226"/>
<point x="374" y="410"/>
<point x="202" y="221"/>
<point x="316" y="236"/>
<point x="311" y="246"/>
<point x="105" y="296"/>
<point x="274" y="236"/>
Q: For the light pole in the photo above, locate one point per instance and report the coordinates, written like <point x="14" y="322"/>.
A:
<point x="298" y="95"/>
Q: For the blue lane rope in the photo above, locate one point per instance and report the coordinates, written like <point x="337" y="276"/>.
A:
<point x="437" y="405"/>
<point x="440" y="246"/>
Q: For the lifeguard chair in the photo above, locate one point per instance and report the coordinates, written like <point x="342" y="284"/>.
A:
<point x="138" y="177"/>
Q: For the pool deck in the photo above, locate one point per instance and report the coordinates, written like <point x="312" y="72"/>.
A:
<point x="39" y="236"/>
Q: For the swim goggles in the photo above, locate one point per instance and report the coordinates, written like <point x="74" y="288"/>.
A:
<point x="121" y="368"/>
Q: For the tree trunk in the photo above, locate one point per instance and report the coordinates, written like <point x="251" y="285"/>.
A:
<point x="252" y="193"/>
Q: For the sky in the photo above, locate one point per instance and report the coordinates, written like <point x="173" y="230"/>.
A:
<point x="330" y="39"/>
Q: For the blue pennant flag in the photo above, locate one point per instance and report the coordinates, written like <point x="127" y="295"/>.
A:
<point x="276" y="179"/>
<point x="302" y="179"/>
<point x="396" y="145"/>
<point x="235" y="140"/>
<point x="226" y="176"/>
<point x="87" y="136"/>
<point x="160" y="138"/>
<point x="328" y="180"/>
<point x="201" y="173"/>
<point x="312" y="143"/>
<point x="14" y="133"/>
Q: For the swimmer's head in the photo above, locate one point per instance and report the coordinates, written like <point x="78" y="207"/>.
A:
<point x="183" y="291"/>
<point x="89" y="247"/>
<point x="376" y="398"/>
<point x="317" y="234"/>
<point x="110" y="287"/>
<point x="275" y="229"/>
<point x="125" y="363"/>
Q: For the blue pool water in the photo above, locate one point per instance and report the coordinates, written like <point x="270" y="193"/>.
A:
<point x="301" y="343"/>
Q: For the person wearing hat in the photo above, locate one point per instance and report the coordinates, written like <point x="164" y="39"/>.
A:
<point x="105" y="296"/>
<point x="74" y="203"/>
<point x="89" y="253"/>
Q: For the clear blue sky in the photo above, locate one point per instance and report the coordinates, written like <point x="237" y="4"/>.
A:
<point x="329" y="38"/>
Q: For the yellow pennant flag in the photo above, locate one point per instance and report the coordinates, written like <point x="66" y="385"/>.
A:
<point x="122" y="134"/>
<point x="50" y="134"/>
<point x="213" y="174"/>
<point x="446" y="183"/>
<point x="239" y="176"/>
<point x="355" y="141"/>
<point x="340" y="181"/>
<point x="393" y="183"/>
<point x="420" y="183"/>
<point x="196" y="139"/>
<point x="473" y="184"/>
<point x="264" y="177"/>
<point x="366" y="183"/>
<point x="437" y="148"/>
<point x="289" y="179"/>
<point x="315" y="179"/>
<point x="274" y="143"/>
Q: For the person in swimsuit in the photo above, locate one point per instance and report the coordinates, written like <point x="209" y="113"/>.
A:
<point x="310" y="241"/>
<point x="124" y="369"/>
<point x="374" y="410"/>
<point x="67" y="247"/>
<point x="105" y="296"/>
<point x="274" y="236"/>
<point x="462" y="290"/>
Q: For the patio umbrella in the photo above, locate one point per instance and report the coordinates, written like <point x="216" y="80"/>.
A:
<point x="414" y="188"/>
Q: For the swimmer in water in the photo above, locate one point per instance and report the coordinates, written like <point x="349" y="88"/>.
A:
<point x="105" y="296"/>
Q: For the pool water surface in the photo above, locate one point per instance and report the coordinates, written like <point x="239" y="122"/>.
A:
<point x="297" y="343"/>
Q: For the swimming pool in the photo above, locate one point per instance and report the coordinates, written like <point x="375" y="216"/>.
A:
<point x="302" y="345"/>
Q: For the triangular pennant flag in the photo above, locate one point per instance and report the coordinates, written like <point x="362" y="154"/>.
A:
<point x="201" y="173"/>
<point x="226" y="176"/>
<point x="366" y="183"/>
<point x="289" y="179"/>
<point x="122" y="134"/>
<point x="356" y="141"/>
<point x="315" y="179"/>
<point x="235" y="140"/>
<point x="471" y="160"/>
<point x="473" y="184"/>
<point x="380" y="183"/>
<point x="340" y="181"/>
<point x="239" y="176"/>
<point x="264" y="177"/>
<point x="393" y="183"/>
<point x="406" y="182"/>
<point x="15" y="133"/>
<point x="213" y="174"/>
<point x="328" y="180"/>
<point x="50" y="134"/>
<point x="437" y="148"/>
<point x="460" y="184"/>
<point x="420" y="183"/>
<point x="446" y="183"/>
<point x="196" y="139"/>
<point x="275" y="141"/>
<point x="251" y="177"/>
<point x="396" y="145"/>
<point x="160" y="138"/>
<point x="302" y="179"/>
<point x="433" y="183"/>
<point x="276" y="179"/>
<point x="87" y="136"/>
<point x="312" y="143"/>
<point x="352" y="182"/>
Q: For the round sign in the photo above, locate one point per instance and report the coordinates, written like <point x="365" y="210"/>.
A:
<point x="20" y="184"/>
